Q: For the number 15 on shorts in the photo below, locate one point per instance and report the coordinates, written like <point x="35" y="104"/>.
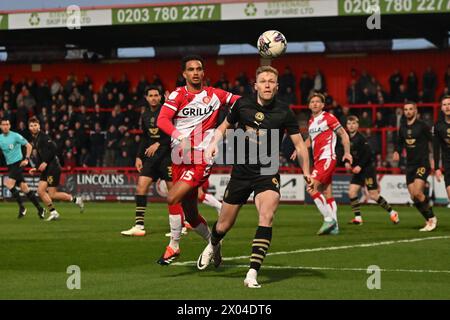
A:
<point x="187" y="175"/>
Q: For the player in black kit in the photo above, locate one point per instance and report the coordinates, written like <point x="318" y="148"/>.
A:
<point x="259" y="116"/>
<point x="415" y="136"/>
<point x="153" y="160"/>
<point x="364" y="173"/>
<point x="49" y="167"/>
<point x="441" y="144"/>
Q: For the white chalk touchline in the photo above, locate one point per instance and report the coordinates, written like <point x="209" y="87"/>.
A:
<point x="336" y="269"/>
<point x="361" y="245"/>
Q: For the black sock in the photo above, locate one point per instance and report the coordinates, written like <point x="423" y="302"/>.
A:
<point x="384" y="204"/>
<point x="215" y="236"/>
<point x="141" y="204"/>
<point x="32" y="197"/>
<point x="16" y="195"/>
<point x="424" y="208"/>
<point x="356" y="207"/>
<point x="261" y="244"/>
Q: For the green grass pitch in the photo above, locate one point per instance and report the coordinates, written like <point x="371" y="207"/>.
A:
<point x="34" y="256"/>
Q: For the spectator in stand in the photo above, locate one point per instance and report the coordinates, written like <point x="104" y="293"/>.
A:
<point x="56" y="87"/>
<point x="364" y="80"/>
<point x="122" y="101"/>
<point x="306" y="85"/>
<point x="109" y="102"/>
<point x="380" y="121"/>
<point x="82" y="117"/>
<point x="287" y="79"/>
<point x="7" y="113"/>
<point x="26" y="99"/>
<point x="124" y="160"/>
<point x="353" y="94"/>
<point x="319" y="83"/>
<point x="374" y="144"/>
<point x="412" y="86"/>
<point x="97" y="117"/>
<point x="366" y="97"/>
<point x="222" y="82"/>
<point x="112" y="140"/>
<point x="23" y="130"/>
<point x="85" y="159"/>
<point x="97" y="142"/>
<point x="395" y="80"/>
<point x="180" y="82"/>
<point x="142" y="84"/>
<point x="402" y="95"/>
<point x="365" y="121"/>
<point x="116" y="118"/>
<point x="446" y="92"/>
<point x="158" y="82"/>
<point x="86" y="86"/>
<point x="429" y="85"/>
<point x="70" y="84"/>
<point x="69" y="161"/>
<point x="7" y="83"/>
<point x="373" y="86"/>
<point x="123" y="86"/>
<point x="44" y="97"/>
<point x="109" y="86"/>
<point x="447" y="78"/>
<point x="289" y="96"/>
<point x="21" y="113"/>
<point x="81" y="136"/>
<point x="243" y="79"/>
<point x="336" y="109"/>
<point x="344" y="115"/>
<point x="126" y="140"/>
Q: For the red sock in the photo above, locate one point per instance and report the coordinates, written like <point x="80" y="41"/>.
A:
<point x="176" y="209"/>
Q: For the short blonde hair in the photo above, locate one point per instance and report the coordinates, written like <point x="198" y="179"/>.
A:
<point x="266" y="69"/>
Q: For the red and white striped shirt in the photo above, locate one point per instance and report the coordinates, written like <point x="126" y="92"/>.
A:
<point x="193" y="115"/>
<point x="322" y="130"/>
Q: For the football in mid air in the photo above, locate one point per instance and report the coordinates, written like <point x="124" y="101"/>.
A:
<point x="271" y="44"/>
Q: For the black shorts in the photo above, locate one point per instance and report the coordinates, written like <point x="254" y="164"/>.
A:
<point x="366" y="177"/>
<point x="238" y="190"/>
<point x="416" y="172"/>
<point x="15" y="171"/>
<point x="51" y="175"/>
<point x="157" y="169"/>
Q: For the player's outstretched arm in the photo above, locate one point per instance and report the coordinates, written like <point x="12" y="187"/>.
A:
<point x="212" y="148"/>
<point x="302" y="153"/>
<point x="345" y="140"/>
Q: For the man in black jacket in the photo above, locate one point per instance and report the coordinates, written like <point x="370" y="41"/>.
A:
<point x="364" y="173"/>
<point x="49" y="167"/>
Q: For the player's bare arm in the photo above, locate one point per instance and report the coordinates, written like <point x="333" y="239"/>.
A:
<point x="302" y="154"/>
<point x="212" y="148"/>
<point x="29" y="148"/>
<point x="150" y="151"/>
<point x="346" y="144"/>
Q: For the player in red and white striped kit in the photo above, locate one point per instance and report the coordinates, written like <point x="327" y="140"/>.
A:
<point x="190" y="116"/>
<point x="323" y="128"/>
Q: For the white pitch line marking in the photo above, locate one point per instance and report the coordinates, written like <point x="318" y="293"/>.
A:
<point x="361" y="245"/>
<point x="337" y="269"/>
